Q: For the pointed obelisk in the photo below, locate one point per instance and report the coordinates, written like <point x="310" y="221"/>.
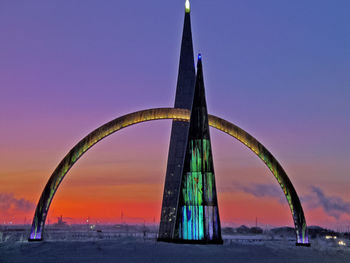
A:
<point x="179" y="132"/>
<point x="197" y="218"/>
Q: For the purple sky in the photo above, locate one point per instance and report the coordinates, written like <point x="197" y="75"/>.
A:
<point x="280" y="70"/>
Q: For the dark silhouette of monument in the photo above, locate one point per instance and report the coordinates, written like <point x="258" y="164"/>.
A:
<point x="179" y="134"/>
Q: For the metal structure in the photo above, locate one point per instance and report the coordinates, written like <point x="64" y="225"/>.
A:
<point x="197" y="219"/>
<point x="179" y="133"/>
<point x="109" y="128"/>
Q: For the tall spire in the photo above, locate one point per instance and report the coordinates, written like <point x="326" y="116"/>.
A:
<point x="186" y="76"/>
<point x="198" y="219"/>
<point x="179" y="133"/>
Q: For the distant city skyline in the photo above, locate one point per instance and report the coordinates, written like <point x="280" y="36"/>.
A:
<point x="278" y="70"/>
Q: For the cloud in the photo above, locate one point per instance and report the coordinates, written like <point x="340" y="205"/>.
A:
<point x="334" y="206"/>
<point x="10" y="202"/>
<point x="258" y="190"/>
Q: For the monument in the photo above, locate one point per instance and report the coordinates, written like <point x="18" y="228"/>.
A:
<point x="189" y="210"/>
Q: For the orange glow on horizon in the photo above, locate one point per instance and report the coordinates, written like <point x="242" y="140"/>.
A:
<point x="114" y="178"/>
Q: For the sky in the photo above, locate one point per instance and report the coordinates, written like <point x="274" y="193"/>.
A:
<point x="278" y="69"/>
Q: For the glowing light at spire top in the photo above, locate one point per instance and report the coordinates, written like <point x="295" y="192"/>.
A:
<point x="187" y="6"/>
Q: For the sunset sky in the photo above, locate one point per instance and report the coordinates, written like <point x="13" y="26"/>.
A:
<point x="278" y="69"/>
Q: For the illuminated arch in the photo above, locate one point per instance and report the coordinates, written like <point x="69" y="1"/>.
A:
<point x="107" y="129"/>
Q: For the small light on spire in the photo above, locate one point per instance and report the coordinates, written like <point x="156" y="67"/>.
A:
<point x="199" y="56"/>
<point x="187" y="6"/>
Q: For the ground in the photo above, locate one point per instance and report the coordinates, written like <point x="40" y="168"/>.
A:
<point x="128" y="243"/>
<point x="136" y="249"/>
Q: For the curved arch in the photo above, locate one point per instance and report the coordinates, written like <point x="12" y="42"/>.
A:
<point x="107" y="129"/>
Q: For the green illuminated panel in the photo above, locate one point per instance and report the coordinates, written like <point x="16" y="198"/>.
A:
<point x="197" y="219"/>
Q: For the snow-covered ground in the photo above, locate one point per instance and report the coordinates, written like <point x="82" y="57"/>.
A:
<point x="136" y="245"/>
